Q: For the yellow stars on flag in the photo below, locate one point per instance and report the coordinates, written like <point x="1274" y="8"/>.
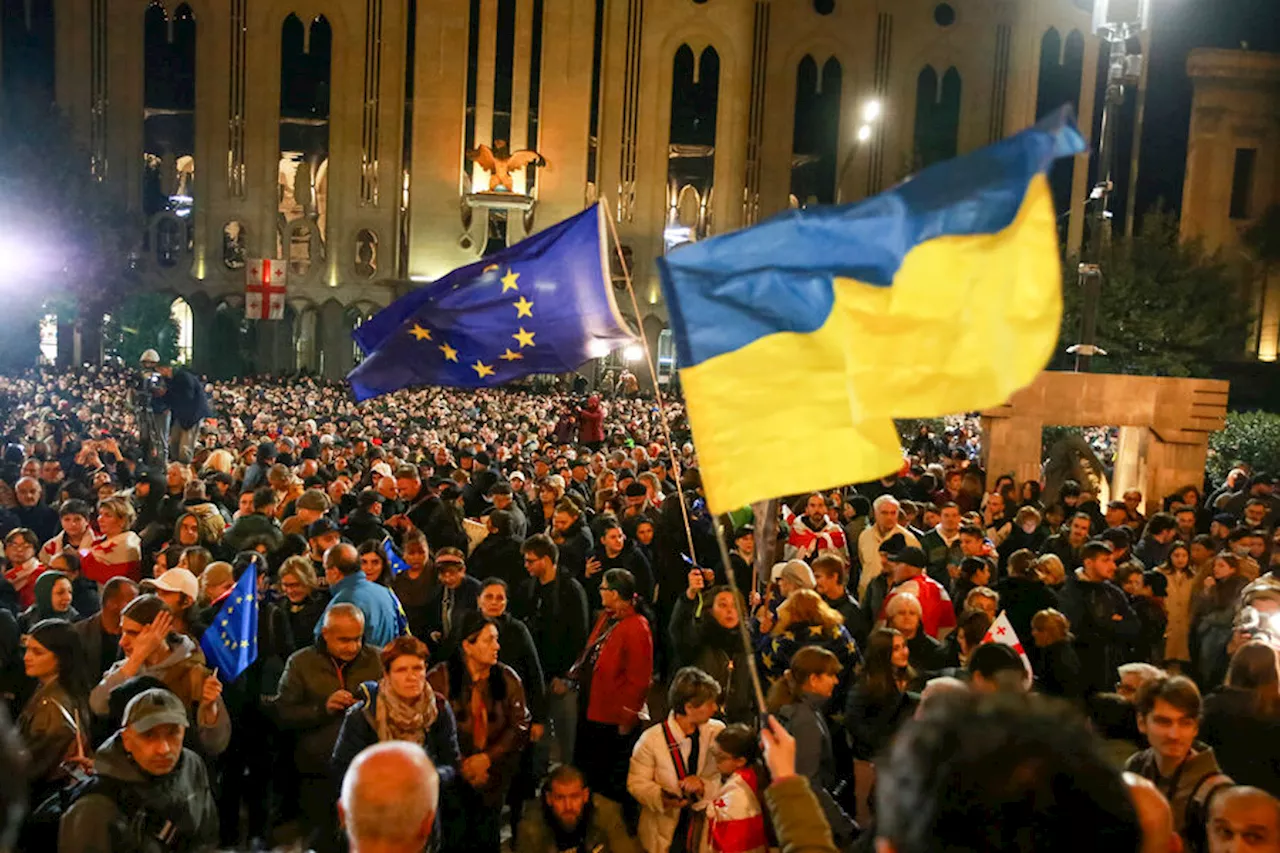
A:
<point x="509" y="281"/>
<point x="525" y="339"/>
<point x="450" y="354"/>
<point x="524" y="308"/>
<point x="482" y="370"/>
<point x="420" y="333"/>
<point x="510" y="356"/>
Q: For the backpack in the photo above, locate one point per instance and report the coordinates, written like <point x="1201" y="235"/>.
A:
<point x="138" y="829"/>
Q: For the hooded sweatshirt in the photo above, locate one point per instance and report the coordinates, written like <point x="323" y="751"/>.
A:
<point x="183" y="672"/>
<point x="131" y="802"/>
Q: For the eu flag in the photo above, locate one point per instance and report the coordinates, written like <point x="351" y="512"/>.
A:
<point x="544" y="305"/>
<point x="231" y="642"/>
<point x="940" y="295"/>
<point x="394" y="560"/>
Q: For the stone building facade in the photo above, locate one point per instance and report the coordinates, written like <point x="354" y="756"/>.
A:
<point x="334" y="133"/>
<point x="1233" y="168"/>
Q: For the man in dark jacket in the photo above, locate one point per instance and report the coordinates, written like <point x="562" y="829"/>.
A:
<point x="498" y="556"/>
<point x="315" y="691"/>
<point x="1067" y="546"/>
<point x="1100" y="617"/>
<point x="572" y="538"/>
<point x="146" y="784"/>
<point x="33" y="512"/>
<point x="189" y="406"/>
<point x="259" y="526"/>
<point x="554" y="608"/>
<point x="365" y="522"/>
<point x="502" y="495"/>
<point x="256" y="474"/>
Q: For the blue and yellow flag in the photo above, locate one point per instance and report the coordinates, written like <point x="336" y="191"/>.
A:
<point x="800" y="339"/>
<point x="544" y="305"/>
<point x="394" y="559"/>
<point x="231" y="642"/>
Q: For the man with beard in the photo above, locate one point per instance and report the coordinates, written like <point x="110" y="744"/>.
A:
<point x="570" y="817"/>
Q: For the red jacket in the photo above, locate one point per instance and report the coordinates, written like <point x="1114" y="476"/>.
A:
<point x="590" y="425"/>
<point x="623" y="671"/>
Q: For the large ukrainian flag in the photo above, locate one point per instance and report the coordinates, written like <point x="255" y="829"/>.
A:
<point x="800" y="339"/>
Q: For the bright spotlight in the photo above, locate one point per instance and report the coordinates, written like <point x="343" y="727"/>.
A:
<point x="598" y="349"/>
<point x="864" y="133"/>
<point x="633" y="353"/>
<point x="871" y="110"/>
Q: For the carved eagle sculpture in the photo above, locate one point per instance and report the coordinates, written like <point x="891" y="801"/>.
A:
<point x="500" y="163"/>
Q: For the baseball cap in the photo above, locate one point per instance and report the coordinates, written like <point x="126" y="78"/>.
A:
<point x="149" y="357"/>
<point x="382" y="469"/>
<point x="893" y="544"/>
<point x="320" y="527"/>
<point x="911" y="556"/>
<point x="745" y="530"/>
<point x="179" y="580"/>
<point x="154" y="707"/>
<point x="635" y="490"/>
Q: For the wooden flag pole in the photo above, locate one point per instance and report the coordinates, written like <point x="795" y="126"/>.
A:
<point x="653" y="373"/>
<point x="743" y="630"/>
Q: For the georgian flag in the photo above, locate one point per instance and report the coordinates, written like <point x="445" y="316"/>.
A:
<point x="264" y="289"/>
<point x="1002" y="632"/>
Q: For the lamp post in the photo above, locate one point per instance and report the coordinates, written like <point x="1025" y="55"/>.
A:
<point x="1115" y="22"/>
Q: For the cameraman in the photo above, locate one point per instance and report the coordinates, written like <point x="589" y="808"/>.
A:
<point x="149" y="394"/>
<point x="187" y="401"/>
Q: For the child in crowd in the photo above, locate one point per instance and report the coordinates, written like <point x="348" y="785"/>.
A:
<point x="736" y="820"/>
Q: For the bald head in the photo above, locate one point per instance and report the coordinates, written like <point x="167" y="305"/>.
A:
<point x="342" y="558"/>
<point x="1154" y="816"/>
<point x="389" y="798"/>
<point x="1244" y="820"/>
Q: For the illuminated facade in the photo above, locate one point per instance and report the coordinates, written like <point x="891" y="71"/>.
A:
<point x="1233" y="167"/>
<point x="334" y="133"/>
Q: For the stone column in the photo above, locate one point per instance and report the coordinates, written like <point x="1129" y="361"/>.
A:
<point x="564" y="108"/>
<point x="1131" y="463"/>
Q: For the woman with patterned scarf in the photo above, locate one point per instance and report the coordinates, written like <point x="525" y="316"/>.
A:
<point x="402" y="706"/>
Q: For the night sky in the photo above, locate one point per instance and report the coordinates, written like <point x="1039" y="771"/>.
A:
<point x="1180" y="26"/>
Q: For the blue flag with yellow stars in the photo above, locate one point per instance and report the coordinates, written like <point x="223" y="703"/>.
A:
<point x="544" y="305"/>
<point x="231" y="643"/>
<point x="394" y="559"/>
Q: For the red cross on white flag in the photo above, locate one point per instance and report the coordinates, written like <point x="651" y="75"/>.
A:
<point x="1001" y="631"/>
<point x="264" y="289"/>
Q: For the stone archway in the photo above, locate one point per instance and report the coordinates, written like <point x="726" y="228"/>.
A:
<point x="1164" y="426"/>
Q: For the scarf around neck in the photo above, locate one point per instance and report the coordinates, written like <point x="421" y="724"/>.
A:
<point x="398" y="719"/>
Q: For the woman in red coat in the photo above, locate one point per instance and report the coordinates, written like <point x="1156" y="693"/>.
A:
<point x="613" y="678"/>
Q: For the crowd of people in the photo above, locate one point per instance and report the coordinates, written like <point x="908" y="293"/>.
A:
<point x="502" y="618"/>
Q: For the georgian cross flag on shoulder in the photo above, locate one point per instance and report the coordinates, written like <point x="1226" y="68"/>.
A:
<point x="264" y="289"/>
<point x="1001" y="631"/>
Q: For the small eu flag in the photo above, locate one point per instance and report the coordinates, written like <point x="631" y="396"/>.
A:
<point x="394" y="560"/>
<point x="544" y="305"/>
<point x="231" y="642"/>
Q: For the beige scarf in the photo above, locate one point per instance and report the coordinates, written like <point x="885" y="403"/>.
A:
<point x="398" y="719"/>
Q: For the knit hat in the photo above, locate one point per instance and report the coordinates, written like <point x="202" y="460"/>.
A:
<point x="314" y="500"/>
<point x="798" y="573"/>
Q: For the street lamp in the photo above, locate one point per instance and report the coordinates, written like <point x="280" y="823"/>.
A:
<point x="870" y="113"/>
<point x="1115" y="22"/>
<point x="864" y="133"/>
<point x="871" y="110"/>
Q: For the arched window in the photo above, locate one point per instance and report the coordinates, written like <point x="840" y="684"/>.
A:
<point x="180" y="311"/>
<point x="366" y="253"/>
<point x="233" y="237"/>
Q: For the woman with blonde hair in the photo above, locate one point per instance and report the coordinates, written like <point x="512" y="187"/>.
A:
<point x="804" y="619"/>
<point x="1051" y="571"/>
<point x="117" y="551"/>
<point x="220" y="461"/>
<point x="1057" y="665"/>
<point x="799" y="699"/>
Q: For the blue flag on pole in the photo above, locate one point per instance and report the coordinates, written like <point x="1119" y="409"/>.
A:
<point x="231" y="643"/>
<point x="544" y="305"/>
<point x="394" y="560"/>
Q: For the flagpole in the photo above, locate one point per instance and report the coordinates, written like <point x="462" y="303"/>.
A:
<point x="743" y="631"/>
<point x="657" y="389"/>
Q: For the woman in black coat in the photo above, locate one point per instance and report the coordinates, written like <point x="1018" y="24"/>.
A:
<point x="1023" y="594"/>
<point x="1244" y="714"/>
<point x="1058" y="666"/>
